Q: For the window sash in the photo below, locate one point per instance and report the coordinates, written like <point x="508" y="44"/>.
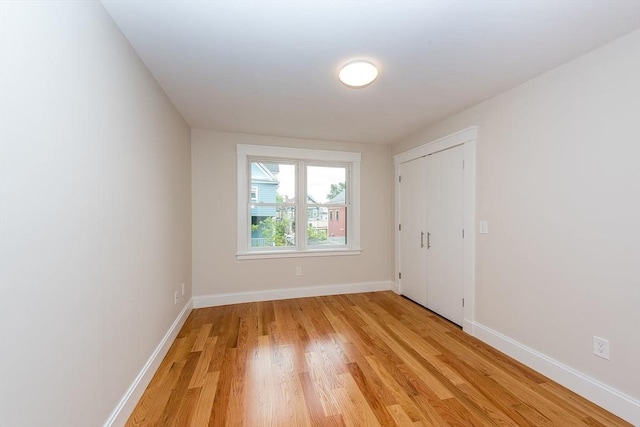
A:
<point x="301" y="206"/>
<point x="262" y="206"/>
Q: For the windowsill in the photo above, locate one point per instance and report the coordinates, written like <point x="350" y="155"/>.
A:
<point x="297" y="254"/>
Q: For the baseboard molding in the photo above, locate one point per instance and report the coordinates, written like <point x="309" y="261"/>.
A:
<point x="614" y="401"/>
<point x="395" y="287"/>
<point x="125" y="407"/>
<point x="468" y="326"/>
<point x="277" y="294"/>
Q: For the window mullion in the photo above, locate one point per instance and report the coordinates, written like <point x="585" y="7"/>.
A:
<point x="301" y="228"/>
<point x="247" y="196"/>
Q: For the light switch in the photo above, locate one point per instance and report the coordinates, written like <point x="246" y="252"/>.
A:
<point x="484" y="226"/>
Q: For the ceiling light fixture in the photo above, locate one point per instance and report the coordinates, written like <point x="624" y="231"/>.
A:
<point x="358" y="73"/>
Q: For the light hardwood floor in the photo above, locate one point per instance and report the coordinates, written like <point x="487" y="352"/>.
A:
<point x="348" y="360"/>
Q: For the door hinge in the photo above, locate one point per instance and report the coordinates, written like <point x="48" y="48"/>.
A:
<point x="463" y="302"/>
<point x="399" y="178"/>
<point x="399" y="227"/>
<point x="463" y="164"/>
<point x="399" y="275"/>
<point x="463" y="233"/>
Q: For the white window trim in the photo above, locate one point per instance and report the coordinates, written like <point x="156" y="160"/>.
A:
<point x="353" y="219"/>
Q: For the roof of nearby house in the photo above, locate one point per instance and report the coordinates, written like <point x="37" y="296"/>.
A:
<point x="309" y="200"/>
<point x="338" y="198"/>
<point x="261" y="173"/>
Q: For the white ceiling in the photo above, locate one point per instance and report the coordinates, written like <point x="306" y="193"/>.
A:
<point x="270" y="67"/>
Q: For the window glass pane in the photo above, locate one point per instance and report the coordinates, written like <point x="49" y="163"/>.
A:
<point x="326" y="184"/>
<point x="337" y="229"/>
<point x="272" y="182"/>
<point x="277" y="230"/>
<point x="272" y="191"/>
<point x="317" y="225"/>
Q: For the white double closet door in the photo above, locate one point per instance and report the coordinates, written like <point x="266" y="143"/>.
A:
<point x="431" y="234"/>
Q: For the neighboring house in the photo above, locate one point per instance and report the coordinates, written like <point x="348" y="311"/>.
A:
<point x="337" y="216"/>
<point x="264" y="187"/>
<point x="316" y="216"/>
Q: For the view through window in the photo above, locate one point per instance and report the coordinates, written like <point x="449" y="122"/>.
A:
<point x="282" y="219"/>
<point x="297" y="202"/>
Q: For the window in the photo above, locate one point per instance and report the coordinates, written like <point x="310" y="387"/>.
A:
<point x="287" y="198"/>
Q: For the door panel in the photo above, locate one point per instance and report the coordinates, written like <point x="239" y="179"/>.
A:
<point x="444" y="213"/>
<point x="413" y="221"/>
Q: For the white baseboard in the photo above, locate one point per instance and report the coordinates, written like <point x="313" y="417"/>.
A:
<point x="277" y="294"/>
<point x="468" y="326"/>
<point x="395" y="287"/>
<point x="125" y="407"/>
<point x="614" y="401"/>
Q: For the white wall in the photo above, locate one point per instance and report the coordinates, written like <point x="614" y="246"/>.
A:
<point x="558" y="179"/>
<point x="215" y="268"/>
<point x="95" y="214"/>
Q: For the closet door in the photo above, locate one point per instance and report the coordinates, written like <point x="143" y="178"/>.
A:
<point x="413" y="269"/>
<point x="444" y="205"/>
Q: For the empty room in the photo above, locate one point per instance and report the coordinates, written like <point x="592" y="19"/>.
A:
<point x="319" y="213"/>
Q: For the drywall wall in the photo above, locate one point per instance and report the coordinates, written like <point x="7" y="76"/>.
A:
<point x="95" y="214"/>
<point x="215" y="267"/>
<point x="558" y="180"/>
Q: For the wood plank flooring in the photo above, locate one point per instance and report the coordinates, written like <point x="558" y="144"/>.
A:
<point x="371" y="359"/>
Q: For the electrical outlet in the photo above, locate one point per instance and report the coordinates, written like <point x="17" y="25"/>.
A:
<point x="175" y="297"/>
<point x="601" y="347"/>
<point x="183" y="288"/>
<point x="298" y="271"/>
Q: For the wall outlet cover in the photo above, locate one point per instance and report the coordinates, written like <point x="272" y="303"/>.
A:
<point x="601" y="347"/>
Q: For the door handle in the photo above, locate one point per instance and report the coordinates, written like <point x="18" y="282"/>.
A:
<point x="422" y="239"/>
<point x="428" y="240"/>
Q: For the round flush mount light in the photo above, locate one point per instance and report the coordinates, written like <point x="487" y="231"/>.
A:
<point x="358" y="73"/>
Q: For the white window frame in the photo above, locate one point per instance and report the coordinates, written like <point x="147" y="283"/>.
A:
<point x="284" y="154"/>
